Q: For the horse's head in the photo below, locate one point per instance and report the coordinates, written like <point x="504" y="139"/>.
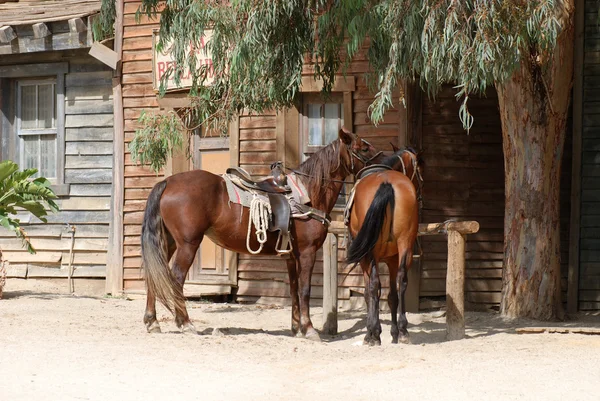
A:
<point x="355" y="152"/>
<point x="409" y="162"/>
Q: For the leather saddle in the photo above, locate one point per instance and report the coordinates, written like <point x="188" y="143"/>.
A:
<point x="275" y="183"/>
<point x="373" y="168"/>
<point x="275" y="188"/>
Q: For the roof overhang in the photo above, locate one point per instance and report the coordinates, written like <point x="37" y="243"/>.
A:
<point x="29" y="26"/>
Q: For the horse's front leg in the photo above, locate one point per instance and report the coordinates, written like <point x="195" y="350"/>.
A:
<point x="184" y="258"/>
<point x="372" y="294"/>
<point x="306" y="264"/>
<point x="292" y="273"/>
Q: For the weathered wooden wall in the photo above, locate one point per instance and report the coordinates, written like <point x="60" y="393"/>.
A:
<point x="88" y="166"/>
<point x="464" y="180"/>
<point x="138" y="95"/>
<point x="589" y="258"/>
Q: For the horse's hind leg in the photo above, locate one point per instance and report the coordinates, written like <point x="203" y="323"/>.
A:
<point x="184" y="257"/>
<point x="393" y="298"/>
<point x="402" y="282"/>
<point x="150" y="321"/>
<point x="372" y="295"/>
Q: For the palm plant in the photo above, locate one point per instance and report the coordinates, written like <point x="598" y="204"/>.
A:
<point x="18" y="191"/>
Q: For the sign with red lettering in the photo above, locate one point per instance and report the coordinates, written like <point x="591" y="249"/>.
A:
<point x="161" y="61"/>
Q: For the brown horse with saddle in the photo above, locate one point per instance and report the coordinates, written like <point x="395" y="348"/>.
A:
<point x="185" y="207"/>
<point x="383" y="218"/>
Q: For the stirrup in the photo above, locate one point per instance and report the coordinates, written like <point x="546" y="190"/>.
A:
<point x="284" y="239"/>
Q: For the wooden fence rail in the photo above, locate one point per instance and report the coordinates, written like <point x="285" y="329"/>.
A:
<point x="455" y="278"/>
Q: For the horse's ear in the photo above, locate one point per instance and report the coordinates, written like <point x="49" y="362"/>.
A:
<point x="394" y="147"/>
<point x="346" y="136"/>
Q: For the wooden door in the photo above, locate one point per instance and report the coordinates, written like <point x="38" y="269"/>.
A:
<point x="214" y="271"/>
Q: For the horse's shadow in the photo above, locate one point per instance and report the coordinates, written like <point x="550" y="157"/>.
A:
<point x="431" y="331"/>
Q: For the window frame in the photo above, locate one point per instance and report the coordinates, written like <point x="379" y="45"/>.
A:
<point x="11" y="76"/>
<point x="20" y="133"/>
<point x="317" y="98"/>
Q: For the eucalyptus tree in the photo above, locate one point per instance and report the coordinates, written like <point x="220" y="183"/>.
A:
<point x="522" y="47"/>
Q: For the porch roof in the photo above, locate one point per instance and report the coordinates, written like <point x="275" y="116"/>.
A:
<point x="27" y="12"/>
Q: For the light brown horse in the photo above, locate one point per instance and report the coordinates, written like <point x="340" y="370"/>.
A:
<point x="383" y="223"/>
<point x="185" y="207"/>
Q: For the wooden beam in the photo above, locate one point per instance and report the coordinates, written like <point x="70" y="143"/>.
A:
<point x="455" y="287"/>
<point x="463" y="227"/>
<point x="40" y="30"/>
<point x="104" y="54"/>
<point x="292" y="136"/>
<point x="404" y="121"/>
<point x="76" y="25"/>
<point x="114" y="266"/>
<point x="7" y="34"/>
<point x="575" y="223"/>
<point x="330" y="285"/>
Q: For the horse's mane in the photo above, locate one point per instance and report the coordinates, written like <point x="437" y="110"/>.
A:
<point x="320" y="165"/>
<point x="391" y="160"/>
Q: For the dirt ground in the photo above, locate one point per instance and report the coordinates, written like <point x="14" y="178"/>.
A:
<point x="64" y="347"/>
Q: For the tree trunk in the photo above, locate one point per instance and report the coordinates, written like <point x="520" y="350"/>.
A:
<point x="533" y="106"/>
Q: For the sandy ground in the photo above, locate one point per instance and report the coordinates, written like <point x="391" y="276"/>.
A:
<point x="64" y="347"/>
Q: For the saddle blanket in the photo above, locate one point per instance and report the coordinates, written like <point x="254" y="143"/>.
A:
<point x="242" y="196"/>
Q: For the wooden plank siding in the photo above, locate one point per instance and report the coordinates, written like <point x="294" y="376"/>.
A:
<point x="464" y="180"/>
<point x="138" y="95"/>
<point x="88" y="165"/>
<point x="589" y="242"/>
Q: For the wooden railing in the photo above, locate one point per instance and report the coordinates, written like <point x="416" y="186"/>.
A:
<point x="455" y="278"/>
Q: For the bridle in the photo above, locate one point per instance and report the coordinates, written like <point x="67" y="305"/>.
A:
<point x="360" y="157"/>
<point x="415" y="172"/>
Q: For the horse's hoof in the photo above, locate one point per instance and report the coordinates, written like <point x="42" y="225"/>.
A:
<point x="153" y="328"/>
<point x="404" y="340"/>
<point x="189" y="328"/>
<point x="372" y="342"/>
<point x="312" y="335"/>
<point x="298" y="334"/>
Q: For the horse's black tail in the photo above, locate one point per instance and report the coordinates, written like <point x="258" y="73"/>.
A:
<point x="370" y="231"/>
<point x="160" y="280"/>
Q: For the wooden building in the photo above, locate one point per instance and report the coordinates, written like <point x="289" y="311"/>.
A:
<point x="463" y="177"/>
<point x="56" y="114"/>
<point x="463" y="173"/>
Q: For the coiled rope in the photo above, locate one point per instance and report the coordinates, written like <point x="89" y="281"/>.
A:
<point x="260" y="215"/>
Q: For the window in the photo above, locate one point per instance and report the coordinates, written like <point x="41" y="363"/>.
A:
<point x="321" y="121"/>
<point x="32" y="119"/>
<point x="36" y="127"/>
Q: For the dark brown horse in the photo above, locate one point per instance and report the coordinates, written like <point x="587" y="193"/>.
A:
<point x="185" y="207"/>
<point x="383" y="224"/>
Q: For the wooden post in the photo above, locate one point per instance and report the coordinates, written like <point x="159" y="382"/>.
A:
<point x="330" y="283"/>
<point x="455" y="286"/>
<point x="114" y="263"/>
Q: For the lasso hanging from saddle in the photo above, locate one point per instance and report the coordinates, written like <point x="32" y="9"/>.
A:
<point x="273" y="201"/>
